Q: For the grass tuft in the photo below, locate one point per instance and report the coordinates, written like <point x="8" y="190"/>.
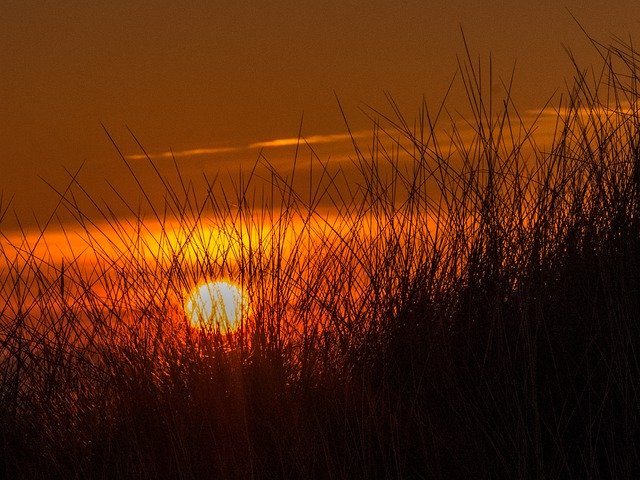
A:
<point x="462" y="300"/>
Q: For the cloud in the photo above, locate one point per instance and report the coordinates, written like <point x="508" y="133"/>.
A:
<point x="183" y="153"/>
<point x="623" y="109"/>
<point x="311" y="140"/>
<point x="278" y="142"/>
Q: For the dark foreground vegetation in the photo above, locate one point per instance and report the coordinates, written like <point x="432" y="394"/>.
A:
<point x="470" y="309"/>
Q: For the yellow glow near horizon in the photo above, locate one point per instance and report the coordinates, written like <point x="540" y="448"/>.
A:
<point x="218" y="304"/>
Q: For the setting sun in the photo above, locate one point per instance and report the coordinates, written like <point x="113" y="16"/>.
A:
<point x="220" y="304"/>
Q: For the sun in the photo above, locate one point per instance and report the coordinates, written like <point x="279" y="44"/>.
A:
<point x="220" y="305"/>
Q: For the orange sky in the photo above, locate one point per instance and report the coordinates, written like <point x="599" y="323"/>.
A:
<point x="216" y="81"/>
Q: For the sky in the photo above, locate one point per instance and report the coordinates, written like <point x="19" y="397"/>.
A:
<point x="215" y="82"/>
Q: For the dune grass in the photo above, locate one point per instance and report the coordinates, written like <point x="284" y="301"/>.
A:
<point x="446" y="306"/>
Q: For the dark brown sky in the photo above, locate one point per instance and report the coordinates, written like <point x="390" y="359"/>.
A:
<point x="206" y="75"/>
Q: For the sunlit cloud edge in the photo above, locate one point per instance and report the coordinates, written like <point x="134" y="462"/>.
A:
<point x="311" y="140"/>
<point x="275" y="143"/>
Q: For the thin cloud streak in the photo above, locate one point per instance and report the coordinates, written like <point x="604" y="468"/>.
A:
<point x="183" y="153"/>
<point x="545" y="122"/>
<point x="622" y="108"/>
<point x="275" y="143"/>
<point x="312" y="140"/>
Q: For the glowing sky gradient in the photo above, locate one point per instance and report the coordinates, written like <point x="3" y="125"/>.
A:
<point x="214" y="82"/>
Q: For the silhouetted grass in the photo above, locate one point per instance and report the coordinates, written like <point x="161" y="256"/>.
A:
<point x="446" y="306"/>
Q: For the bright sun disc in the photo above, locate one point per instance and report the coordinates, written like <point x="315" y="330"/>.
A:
<point x="219" y="304"/>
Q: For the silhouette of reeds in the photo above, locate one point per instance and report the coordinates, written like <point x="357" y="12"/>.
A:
<point x="446" y="306"/>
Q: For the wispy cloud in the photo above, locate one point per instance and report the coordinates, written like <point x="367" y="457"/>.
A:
<point x="620" y="109"/>
<point x="311" y="140"/>
<point x="183" y="153"/>
<point x="274" y="143"/>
